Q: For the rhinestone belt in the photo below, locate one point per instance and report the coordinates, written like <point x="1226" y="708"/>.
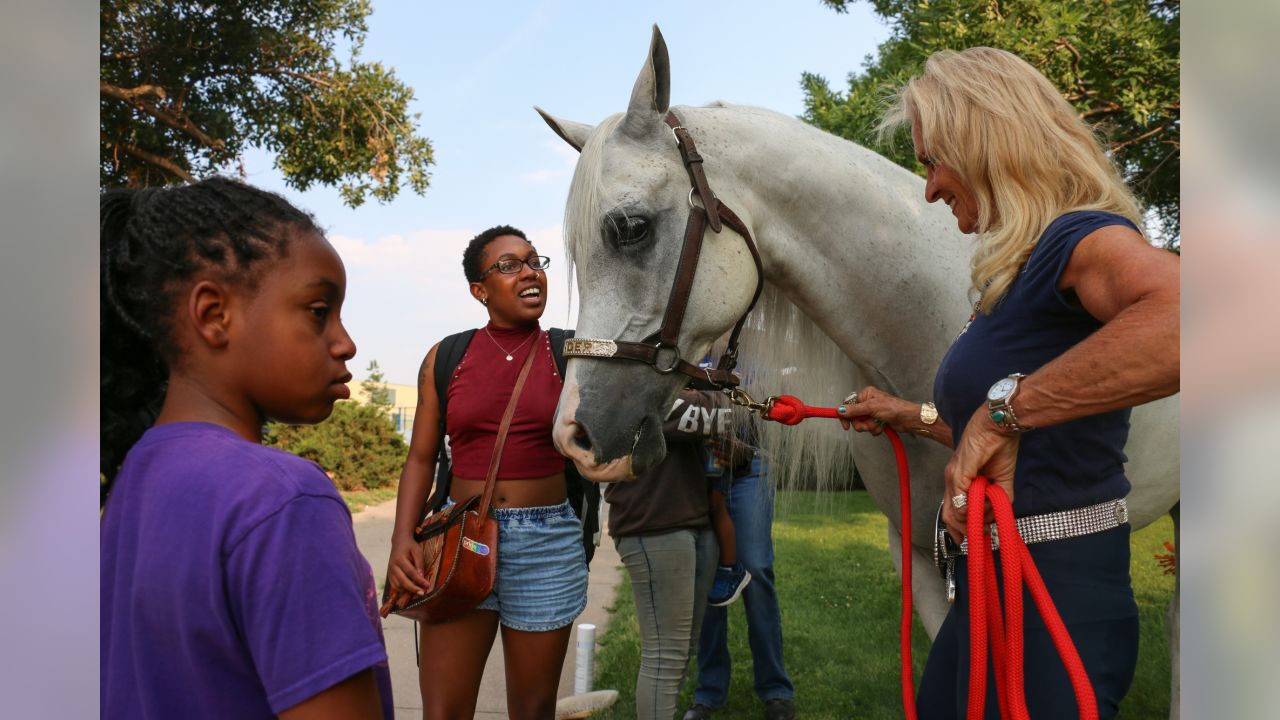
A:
<point x="1064" y="524"/>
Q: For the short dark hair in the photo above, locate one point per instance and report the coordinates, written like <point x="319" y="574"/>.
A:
<point x="151" y="241"/>
<point x="475" y="249"/>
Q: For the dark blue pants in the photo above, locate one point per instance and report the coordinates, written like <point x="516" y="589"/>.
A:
<point x="1088" y="578"/>
<point x="750" y="502"/>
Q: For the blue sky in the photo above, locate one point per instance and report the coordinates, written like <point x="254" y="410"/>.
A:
<point x="477" y="70"/>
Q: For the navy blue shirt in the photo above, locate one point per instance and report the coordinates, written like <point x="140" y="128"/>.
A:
<point x="1064" y="466"/>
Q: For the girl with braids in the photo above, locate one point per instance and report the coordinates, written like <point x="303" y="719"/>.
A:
<point x="231" y="582"/>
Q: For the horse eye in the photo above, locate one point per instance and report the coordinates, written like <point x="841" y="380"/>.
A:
<point x="628" y="230"/>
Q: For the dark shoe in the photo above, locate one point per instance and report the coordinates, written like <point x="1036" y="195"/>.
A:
<point x="698" y="712"/>
<point x="778" y="709"/>
<point x="728" y="585"/>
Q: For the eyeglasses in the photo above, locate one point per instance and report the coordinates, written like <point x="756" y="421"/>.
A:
<point x="508" y="266"/>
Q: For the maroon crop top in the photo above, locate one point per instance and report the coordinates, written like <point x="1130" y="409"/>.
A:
<point x="479" y="392"/>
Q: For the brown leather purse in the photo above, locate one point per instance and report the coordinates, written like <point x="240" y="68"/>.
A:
<point x="460" y="545"/>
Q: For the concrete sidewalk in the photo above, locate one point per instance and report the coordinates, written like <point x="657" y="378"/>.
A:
<point x="373" y="535"/>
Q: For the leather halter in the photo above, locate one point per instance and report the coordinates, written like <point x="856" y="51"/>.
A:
<point x="659" y="350"/>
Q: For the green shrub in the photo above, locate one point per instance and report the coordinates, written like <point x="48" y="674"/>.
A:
<point x="358" y="445"/>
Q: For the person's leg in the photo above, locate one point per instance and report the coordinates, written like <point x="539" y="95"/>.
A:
<point x="750" y="503"/>
<point x="541" y="588"/>
<point x="722" y="524"/>
<point x="714" y="662"/>
<point x="704" y="574"/>
<point x="1109" y="651"/>
<point x="533" y="664"/>
<point x="663" y="570"/>
<point x="936" y="696"/>
<point x="451" y="662"/>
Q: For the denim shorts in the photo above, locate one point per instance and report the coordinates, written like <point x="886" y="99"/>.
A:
<point x="542" y="569"/>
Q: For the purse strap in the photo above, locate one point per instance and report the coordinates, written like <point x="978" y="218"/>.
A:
<point x="491" y="480"/>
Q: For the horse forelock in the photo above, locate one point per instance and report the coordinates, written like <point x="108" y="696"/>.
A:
<point x="586" y="190"/>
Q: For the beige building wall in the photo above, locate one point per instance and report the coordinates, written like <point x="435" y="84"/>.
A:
<point x="404" y="403"/>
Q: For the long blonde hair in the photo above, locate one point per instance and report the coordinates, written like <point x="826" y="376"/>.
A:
<point x="1017" y="144"/>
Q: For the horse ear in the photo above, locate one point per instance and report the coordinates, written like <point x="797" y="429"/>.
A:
<point x="651" y="97"/>
<point x="574" y="133"/>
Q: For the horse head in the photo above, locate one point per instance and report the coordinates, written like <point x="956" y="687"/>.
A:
<point x="625" y="221"/>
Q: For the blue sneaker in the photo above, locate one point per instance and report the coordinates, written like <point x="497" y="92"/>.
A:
<point x="728" y="585"/>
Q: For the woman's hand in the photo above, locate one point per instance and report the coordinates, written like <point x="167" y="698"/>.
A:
<point x="405" y="578"/>
<point x="872" y="409"/>
<point x="986" y="450"/>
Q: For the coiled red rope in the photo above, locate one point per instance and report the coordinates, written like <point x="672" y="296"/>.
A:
<point x="989" y="631"/>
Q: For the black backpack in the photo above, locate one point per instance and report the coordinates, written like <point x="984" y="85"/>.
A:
<point x="584" y="496"/>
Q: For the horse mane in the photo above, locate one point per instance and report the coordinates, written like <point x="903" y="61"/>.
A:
<point x="783" y="352"/>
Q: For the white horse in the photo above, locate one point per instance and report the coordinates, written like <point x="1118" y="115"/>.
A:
<point x="866" y="284"/>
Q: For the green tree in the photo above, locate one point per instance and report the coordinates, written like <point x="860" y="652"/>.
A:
<point x="375" y="387"/>
<point x="357" y="446"/>
<point x="187" y="85"/>
<point x="1115" y="61"/>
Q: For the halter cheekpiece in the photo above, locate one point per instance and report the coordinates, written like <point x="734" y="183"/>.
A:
<point x="659" y="350"/>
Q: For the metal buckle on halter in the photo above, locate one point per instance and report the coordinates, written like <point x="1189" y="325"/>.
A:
<point x="675" y="357"/>
<point x="693" y="190"/>
<point x="587" y="347"/>
<point x="739" y="397"/>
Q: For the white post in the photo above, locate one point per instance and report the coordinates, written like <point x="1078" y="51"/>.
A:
<point x="584" y="664"/>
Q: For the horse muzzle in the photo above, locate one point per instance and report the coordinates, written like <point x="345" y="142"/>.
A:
<point x="612" y="441"/>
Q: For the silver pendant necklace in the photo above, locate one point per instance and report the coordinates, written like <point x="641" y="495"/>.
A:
<point x="510" y="352"/>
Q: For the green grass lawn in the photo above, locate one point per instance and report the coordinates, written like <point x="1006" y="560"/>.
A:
<point x="841" y="601"/>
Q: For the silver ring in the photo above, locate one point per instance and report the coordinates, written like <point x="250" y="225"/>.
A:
<point x="851" y="398"/>
<point x="959" y="501"/>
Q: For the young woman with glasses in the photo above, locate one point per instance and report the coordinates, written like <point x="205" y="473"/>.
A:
<point x="542" y="576"/>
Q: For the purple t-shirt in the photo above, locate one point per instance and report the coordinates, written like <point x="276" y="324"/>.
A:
<point x="231" y="582"/>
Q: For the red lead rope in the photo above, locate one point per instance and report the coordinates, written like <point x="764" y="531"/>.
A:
<point x="984" y="613"/>
<point x="987" y="629"/>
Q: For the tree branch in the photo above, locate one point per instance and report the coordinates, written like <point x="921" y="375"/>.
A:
<point x="178" y="121"/>
<point x="1117" y="147"/>
<point x="1107" y="108"/>
<point x="162" y="163"/>
<point x="133" y="93"/>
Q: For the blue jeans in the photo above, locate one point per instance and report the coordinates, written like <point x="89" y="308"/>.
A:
<point x="750" y="503"/>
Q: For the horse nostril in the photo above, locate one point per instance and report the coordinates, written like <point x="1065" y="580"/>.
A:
<point x="581" y="439"/>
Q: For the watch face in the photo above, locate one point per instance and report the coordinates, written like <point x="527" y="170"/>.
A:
<point x="1001" y="389"/>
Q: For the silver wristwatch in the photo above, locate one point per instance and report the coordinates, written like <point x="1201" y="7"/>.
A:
<point x="999" y="403"/>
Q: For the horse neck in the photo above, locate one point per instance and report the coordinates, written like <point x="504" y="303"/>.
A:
<point x="846" y="235"/>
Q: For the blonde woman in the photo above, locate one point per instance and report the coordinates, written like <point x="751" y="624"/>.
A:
<point x="1075" y="322"/>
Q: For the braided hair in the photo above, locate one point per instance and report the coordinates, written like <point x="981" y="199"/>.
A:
<point x="152" y="241"/>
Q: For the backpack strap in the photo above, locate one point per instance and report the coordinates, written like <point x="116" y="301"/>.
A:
<point x="448" y="355"/>
<point x="558" y="336"/>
